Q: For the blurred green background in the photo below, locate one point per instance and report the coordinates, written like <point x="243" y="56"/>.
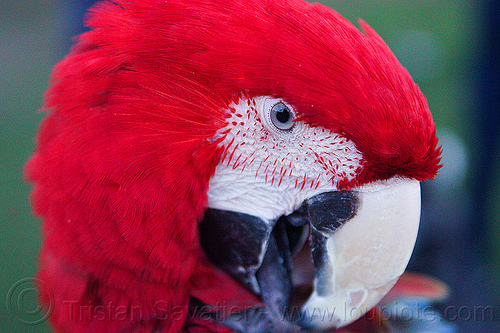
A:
<point x="440" y="42"/>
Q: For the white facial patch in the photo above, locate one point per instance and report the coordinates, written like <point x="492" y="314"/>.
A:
<point x="268" y="172"/>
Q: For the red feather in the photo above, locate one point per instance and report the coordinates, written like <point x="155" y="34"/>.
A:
<point x="125" y="154"/>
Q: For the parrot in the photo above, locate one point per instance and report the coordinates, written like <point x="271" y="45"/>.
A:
<point x="226" y="166"/>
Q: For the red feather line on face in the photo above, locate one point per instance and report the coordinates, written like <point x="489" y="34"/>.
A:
<point x="125" y="154"/>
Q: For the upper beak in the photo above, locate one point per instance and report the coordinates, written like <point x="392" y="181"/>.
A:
<point x="361" y="241"/>
<point x="360" y="261"/>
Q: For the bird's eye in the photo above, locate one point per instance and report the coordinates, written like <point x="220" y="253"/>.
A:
<point x="282" y="117"/>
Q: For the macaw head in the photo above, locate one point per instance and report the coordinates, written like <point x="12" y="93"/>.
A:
<point x="328" y="141"/>
<point x="273" y="123"/>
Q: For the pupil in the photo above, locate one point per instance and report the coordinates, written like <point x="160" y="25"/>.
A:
<point x="283" y="115"/>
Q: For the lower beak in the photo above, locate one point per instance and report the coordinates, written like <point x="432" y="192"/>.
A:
<point x="361" y="241"/>
<point x="359" y="261"/>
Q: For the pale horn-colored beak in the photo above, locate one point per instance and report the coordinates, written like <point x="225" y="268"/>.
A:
<point x="358" y="262"/>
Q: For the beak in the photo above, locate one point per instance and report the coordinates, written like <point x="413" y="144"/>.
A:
<point x="361" y="241"/>
<point x="359" y="259"/>
<point x="254" y="251"/>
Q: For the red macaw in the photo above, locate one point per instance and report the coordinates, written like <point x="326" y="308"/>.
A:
<point x="192" y="147"/>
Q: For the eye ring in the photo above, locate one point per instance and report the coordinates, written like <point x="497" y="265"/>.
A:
<point x="282" y="117"/>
